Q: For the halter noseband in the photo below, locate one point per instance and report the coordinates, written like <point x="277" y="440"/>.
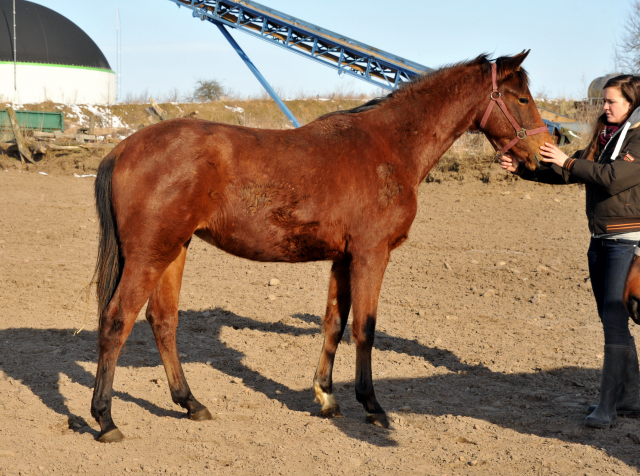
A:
<point x="521" y="132"/>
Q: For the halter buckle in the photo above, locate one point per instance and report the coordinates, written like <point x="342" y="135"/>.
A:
<point x="521" y="134"/>
<point x="495" y="98"/>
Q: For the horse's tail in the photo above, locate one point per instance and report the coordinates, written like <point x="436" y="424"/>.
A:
<point x="110" y="262"/>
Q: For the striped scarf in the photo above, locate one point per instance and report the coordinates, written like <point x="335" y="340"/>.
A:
<point x="606" y="134"/>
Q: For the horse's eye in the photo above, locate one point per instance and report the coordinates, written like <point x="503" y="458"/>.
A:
<point x="523" y="101"/>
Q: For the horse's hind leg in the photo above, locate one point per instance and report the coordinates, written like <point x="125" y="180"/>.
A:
<point x="333" y="324"/>
<point x="367" y="272"/>
<point x="162" y="314"/>
<point x="115" y="325"/>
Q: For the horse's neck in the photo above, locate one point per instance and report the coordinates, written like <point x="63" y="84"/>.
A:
<point x="427" y="123"/>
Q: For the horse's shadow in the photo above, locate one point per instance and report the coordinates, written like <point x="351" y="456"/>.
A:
<point x="521" y="402"/>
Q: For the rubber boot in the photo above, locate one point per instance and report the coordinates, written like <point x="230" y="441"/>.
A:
<point x="629" y="400"/>
<point x="614" y="372"/>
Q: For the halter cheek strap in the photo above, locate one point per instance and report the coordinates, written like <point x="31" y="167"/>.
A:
<point x="496" y="97"/>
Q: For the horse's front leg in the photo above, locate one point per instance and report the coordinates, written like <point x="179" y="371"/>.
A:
<point x="333" y="324"/>
<point x="631" y="293"/>
<point x="162" y="314"/>
<point x="367" y="271"/>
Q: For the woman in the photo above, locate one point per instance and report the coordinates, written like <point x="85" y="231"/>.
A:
<point x="610" y="169"/>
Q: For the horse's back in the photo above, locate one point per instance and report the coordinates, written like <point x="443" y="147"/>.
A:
<point x="265" y="195"/>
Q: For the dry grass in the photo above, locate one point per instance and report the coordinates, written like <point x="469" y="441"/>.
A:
<point x="260" y="113"/>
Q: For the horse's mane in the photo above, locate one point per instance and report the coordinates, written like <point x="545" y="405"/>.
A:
<point x="423" y="81"/>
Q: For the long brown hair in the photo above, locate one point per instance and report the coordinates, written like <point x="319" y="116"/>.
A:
<point x="629" y="87"/>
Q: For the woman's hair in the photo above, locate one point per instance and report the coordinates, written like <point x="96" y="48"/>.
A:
<point x="629" y="87"/>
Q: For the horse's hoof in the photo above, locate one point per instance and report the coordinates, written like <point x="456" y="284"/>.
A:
<point x="201" y="415"/>
<point x="331" y="412"/>
<point x="111" y="436"/>
<point x="378" y="419"/>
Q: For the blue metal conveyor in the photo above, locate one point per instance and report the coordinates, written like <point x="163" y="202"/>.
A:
<point x="348" y="56"/>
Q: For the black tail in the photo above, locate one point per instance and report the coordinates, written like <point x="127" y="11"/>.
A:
<point x="109" y="263"/>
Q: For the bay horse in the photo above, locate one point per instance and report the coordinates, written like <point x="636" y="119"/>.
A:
<point x="342" y="188"/>
<point x="631" y="293"/>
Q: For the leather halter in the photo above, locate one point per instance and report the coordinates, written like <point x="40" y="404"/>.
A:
<point x="521" y="132"/>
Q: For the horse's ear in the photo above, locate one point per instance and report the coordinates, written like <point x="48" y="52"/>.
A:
<point x="510" y="64"/>
<point x="517" y="60"/>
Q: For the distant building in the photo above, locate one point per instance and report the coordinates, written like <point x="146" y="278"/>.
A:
<point x="595" y="88"/>
<point x="55" y="59"/>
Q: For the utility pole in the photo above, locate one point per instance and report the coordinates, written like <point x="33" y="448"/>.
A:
<point x="118" y="65"/>
<point x="15" y="62"/>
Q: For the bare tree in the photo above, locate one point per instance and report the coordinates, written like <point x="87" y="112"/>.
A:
<point x="627" y="55"/>
<point x="211" y="90"/>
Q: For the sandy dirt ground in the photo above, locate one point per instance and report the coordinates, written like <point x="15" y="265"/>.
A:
<point x="488" y="349"/>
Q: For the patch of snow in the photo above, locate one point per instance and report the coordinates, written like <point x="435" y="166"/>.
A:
<point x="106" y="116"/>
<point x="82" y="176"/>
<point x="83" y="119"/>
<point x="43" y="173"/>
<point x="239" y="110"/>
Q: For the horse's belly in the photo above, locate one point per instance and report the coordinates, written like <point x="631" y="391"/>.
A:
<point x="295" y="244"/>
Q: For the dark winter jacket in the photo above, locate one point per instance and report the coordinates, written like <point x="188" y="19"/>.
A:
<point x="612" y="186"/>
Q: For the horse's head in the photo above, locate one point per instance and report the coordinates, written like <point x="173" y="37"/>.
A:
<point x="508" y="115"/>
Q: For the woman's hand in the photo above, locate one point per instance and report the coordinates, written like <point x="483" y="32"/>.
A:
<point x="510" y="164"/>
<point x="552" y="155"/>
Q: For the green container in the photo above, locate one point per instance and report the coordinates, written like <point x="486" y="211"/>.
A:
<point x="34" y="120"/>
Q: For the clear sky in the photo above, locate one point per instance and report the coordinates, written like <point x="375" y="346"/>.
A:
<point x="165" y="48"/>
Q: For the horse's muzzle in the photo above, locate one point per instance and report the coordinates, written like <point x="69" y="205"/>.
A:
<point x="536" y="161"/>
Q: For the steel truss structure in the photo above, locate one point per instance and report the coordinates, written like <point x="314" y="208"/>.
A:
<point x="331" y="49"/>
<point x="346" y="55"/>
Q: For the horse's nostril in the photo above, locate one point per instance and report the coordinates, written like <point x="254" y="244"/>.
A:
<point x="536" y="160"/>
